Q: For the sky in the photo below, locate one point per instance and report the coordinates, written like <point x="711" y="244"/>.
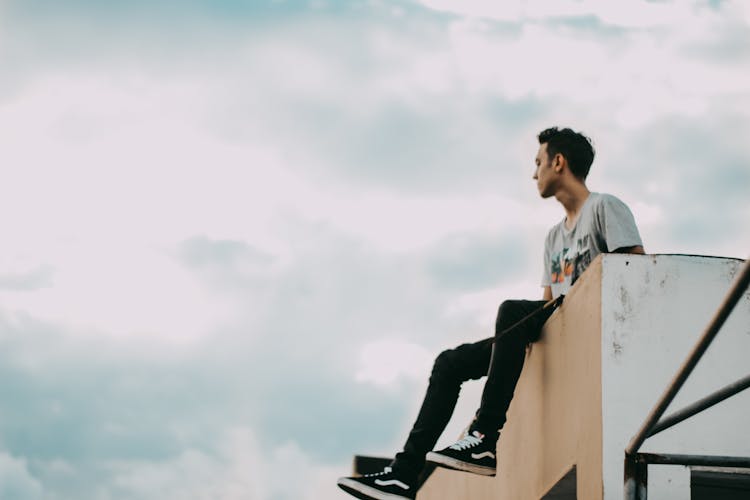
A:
<point x="236" y="233"/>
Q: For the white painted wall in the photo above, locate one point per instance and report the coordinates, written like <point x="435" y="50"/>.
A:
<point x="654" y="309"/>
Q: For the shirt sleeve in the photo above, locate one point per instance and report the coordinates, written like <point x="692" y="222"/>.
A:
<point x="617" y="224"/>
<point x="547" y="272"/>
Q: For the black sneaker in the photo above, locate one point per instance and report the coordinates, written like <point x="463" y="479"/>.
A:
<point x="474" y="453"/>
<point x="384" y="485"/>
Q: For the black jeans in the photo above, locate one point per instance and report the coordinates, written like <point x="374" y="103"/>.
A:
<point x="500" y="360"/>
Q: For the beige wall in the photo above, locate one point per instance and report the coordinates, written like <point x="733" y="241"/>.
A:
<point x="554" y="421"/>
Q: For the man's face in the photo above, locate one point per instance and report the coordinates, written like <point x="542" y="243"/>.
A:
<point x="545" y="175"/>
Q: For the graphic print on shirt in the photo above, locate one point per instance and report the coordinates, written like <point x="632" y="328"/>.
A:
<point x="571" y="264"/>
<point x="583" y="259"/>
<point x="560" y="266"/>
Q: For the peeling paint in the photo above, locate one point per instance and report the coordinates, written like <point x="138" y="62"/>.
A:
<point x="616" y="349"/>
<point x="626" y="303"/>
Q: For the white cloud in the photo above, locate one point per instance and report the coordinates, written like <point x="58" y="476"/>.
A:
<point x="508" y="11"/>
<point x="383" y="362"/>
<point x="124" y="175"/>
<point x="240" y="469"/>
<point x="16" y="481"/>
<point x="640" y="74"/>
<point x="635" y="14"/>
<point x="644" y="14"/>
<point x="236" y="472"/>
<point x="127" y="172"/>
<point x="121" y="290"/>
<point x="739" y="10"/>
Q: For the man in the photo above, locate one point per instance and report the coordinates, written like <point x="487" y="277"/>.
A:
<point x="594" y="223"/>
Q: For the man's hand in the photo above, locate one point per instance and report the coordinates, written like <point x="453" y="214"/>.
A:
<point x="638" y="249"/>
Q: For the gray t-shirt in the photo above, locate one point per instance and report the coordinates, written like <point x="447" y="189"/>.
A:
<point x="604" y="225"/>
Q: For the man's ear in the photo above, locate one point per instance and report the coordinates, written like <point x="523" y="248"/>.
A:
<point x="559" y="162"/>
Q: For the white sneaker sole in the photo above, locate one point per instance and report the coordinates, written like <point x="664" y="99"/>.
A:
<point x="365" y="492"/>
<point x="455" y="464"/>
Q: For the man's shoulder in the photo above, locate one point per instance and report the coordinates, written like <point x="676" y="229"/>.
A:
<point x="599" y="200"/>
<point x="601" y="197"/>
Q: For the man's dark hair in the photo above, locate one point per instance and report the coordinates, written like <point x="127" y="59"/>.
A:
<point x="574" y="146"/>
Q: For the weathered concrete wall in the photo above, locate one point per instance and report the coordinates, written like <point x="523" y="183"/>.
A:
<point x="653" y="312"/>
<point x="605" y="357"/>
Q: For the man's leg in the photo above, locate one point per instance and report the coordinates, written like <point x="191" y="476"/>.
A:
<point x="451" y="369"/>
<point x="507" y="359"/>
<point x="476" y="452"/>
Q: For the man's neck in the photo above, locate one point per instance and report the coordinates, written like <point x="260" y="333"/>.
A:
<point x="572" y="199"/>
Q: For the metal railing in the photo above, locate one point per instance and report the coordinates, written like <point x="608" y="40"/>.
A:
<point x="636" y="464"/>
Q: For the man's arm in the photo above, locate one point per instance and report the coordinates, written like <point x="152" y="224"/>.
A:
<point x="637" y="249"/>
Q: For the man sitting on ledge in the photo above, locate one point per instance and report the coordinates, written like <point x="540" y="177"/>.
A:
<point x="594" y="223"/>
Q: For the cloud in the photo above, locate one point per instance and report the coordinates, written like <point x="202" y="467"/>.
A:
<point x="34" y="279"/>
<point x="228" y="263"/>
<point x="234" y="470"/>
<point x="701" y="181"/>
<point x="15" y="480"/>
<point x="239" y="469"/>
<point x="322" y="319"/>
<point x="384" y="361"/>
<point x="136" y="421"/>
<point x="640" y="14"/>
<point x="280" y="364"/>
<point x="472" y="262"/>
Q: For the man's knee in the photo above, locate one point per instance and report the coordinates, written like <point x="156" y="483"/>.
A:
<point x="445" y="362"/>
<point x="465" y="362"/>
<point x="520" y="320"/>
<point x="457" y="365"/>
<point x="507" y="313"/>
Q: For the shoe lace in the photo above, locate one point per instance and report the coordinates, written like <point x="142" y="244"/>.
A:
<point x="384" y="472"/>
<point x="469" y="441"/>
